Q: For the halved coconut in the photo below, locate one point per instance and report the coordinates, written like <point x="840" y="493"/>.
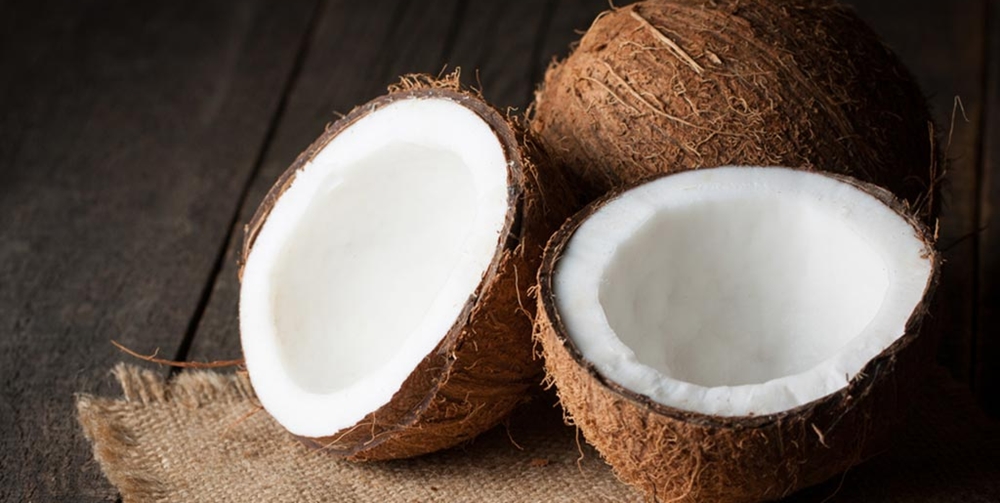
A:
<point x="737" y="333"/>
<point x="380" y="306"/>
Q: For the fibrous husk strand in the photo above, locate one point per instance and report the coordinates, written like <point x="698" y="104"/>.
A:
<point x="682" y="456"/>
<point x="484" y="366"/>
<point x="664" y="86"/>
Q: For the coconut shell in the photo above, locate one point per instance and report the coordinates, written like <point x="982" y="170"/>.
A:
<point x="683" y="456"/>
<point x="671" y="85"/>
<point x="484" y="366"/>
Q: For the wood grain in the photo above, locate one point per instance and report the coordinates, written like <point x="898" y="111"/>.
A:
<point x="357" y="50"/>
<point x="494" y="45"/>
<point x="128" y="129"/>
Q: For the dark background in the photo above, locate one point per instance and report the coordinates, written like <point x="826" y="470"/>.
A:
<point x="136" y="138"/>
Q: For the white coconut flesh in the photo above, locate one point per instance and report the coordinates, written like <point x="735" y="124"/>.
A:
<point x="366" y="261"/>
<point x="739" y="291"/>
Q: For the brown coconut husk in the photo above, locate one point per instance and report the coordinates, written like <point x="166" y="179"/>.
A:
<point x="484" y="366"/>
<point x="681" y="456"/>
<point x="670" y="85"/>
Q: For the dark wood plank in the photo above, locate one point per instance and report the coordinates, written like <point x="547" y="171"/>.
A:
<point x="358" y="49"/>
<point x="570" y="18"/>
<point x="506" y="47"/>
<point x="128" y="130"/>
<point x="987" y="369"/>
<point x="942" y="44"/>
<point x="496" y="44"/>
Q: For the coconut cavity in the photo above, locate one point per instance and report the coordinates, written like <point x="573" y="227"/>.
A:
<point x="368" y="259"/>
<point x="419" y="205"/>
<point x="739" y="291"/>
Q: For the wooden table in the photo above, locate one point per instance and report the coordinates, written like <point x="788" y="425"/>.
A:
<point x="136" y="138"/>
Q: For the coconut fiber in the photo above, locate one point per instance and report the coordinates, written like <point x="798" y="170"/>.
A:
<point x="483" y="367"/>
<point x="202" y="437"/>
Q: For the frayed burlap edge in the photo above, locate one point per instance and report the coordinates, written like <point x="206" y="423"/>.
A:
<point x="200" y="437"/>
<point x="203" y="437"/>
<point x="113" y="445"/>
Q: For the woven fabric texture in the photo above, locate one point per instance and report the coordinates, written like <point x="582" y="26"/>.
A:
<point x="202" y="437"/>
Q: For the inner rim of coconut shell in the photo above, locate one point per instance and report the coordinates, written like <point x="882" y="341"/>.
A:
<point x="368" y="258"/>
<point x="739" y="291"/>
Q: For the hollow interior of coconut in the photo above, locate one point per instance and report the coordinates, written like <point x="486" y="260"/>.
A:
<point x="367" y="260"/>
<point x="739" y="291"/>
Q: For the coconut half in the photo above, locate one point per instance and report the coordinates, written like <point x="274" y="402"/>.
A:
<point x="735" y="333"/>
<point x="379" y="287"/>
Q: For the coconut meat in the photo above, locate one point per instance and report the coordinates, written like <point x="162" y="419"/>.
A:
<point x="368" y="258"/>
<point x="739" y="290"/>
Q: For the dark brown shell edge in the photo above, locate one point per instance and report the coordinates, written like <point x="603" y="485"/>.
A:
<point x="677" y="455"/>
<point x="751" y="82"/>
<point x="485" y="365"/>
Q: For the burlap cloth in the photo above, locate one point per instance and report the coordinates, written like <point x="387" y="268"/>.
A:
<point x="202" y="437"/>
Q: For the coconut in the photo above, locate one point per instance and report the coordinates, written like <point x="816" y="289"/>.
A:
<point x="664" y="86"/>
<point x="737" y="333"/>
<point x="383" y="307"/>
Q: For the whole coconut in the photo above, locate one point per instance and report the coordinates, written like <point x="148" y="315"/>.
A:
<point x="665" y="86"/>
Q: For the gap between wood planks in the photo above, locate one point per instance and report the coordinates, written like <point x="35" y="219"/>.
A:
<point x="232" y="233"/>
